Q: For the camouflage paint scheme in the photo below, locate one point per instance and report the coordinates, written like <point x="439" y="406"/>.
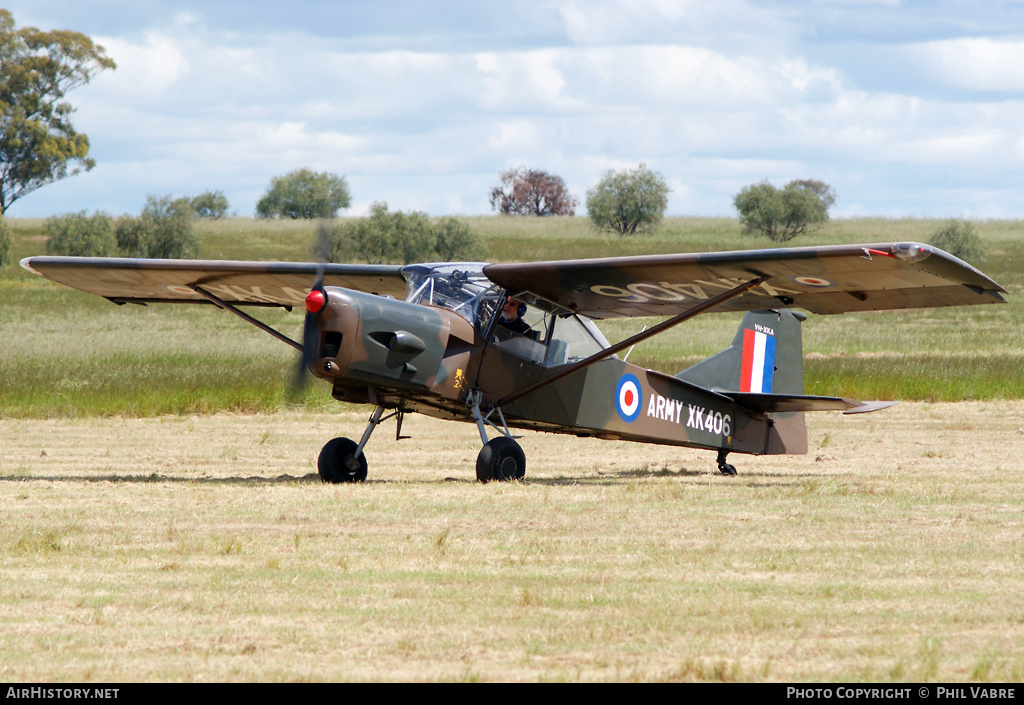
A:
<point x="427" y="338"/>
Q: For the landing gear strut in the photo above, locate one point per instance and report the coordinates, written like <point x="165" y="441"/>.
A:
<point x="724" y="467"/>
<point x="343" y="460"/>
<point x="501" y="459"/>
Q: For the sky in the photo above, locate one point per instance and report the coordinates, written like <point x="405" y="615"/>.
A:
<point x="906" y="108"/>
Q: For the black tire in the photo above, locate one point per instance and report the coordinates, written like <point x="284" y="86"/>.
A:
<point x="333" y="463"/>
<point x="501" y="460"/>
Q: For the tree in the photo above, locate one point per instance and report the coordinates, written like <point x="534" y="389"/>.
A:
<point x="628" y="201"/>
<point x="396" y="236"/>
<point x="532" y="192"/>
<point x="304" y="194"/>
<point x="826" y="193"/>
<point x="960" y="239"/>
<point x="38" y="143"/>
<point x="783" y="214"/>
<point x="210" y="204"/>
<point x="5" y="243"/>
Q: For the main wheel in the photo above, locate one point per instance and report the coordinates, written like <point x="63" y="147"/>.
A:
<point x="337" y="464"/>
<point x="501" y="459"/>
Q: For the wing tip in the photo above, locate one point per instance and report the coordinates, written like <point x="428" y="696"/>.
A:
<point x="26" y="263"/>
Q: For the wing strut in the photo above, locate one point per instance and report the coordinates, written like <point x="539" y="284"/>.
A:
<point x="246" y="317"/>
<point x="633" y="340"/>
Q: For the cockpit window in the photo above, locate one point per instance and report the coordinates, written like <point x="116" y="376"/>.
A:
<point x="574" y="339"/>
<point x="553" y="339"/>
<point x="461" y="288"/>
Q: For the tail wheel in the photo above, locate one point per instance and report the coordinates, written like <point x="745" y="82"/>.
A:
<point x="337" y="462"/>
<point x="724" y="467"/>
<point x="501" y="460"/>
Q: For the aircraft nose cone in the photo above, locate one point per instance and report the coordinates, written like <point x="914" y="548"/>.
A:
<point x="315" y="301"/>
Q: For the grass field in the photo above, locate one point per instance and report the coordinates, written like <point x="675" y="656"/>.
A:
<point x="69" y="354"/>
<point x="204" y="549"/>
<point x="160" y="517"/>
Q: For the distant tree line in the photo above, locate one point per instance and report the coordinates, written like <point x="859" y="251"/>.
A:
<point x="633" y="201"/>
<point x="163" y="230"/>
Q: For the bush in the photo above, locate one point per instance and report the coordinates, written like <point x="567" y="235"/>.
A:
<point x="167" y="227"/>
<point x="397" y="237"/>
<point x="210" y="204"/>
<point x="80" y="235"/>
<point x="132" y="236"/>
<point x="454" y="241"/>
<point x="628" y="201"/>
<point x="164" y="230"/>
<point x="5" y="243"/>
<point x="783" y="214"/>
<point x="960" y="239"/>
<point x="304" y="194"/>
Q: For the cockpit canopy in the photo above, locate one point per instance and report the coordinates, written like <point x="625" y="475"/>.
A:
<point x="557" y="336"/>
<point x="461" y="288"/>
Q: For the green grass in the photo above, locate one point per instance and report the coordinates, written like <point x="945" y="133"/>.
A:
<point x="69" y="354"/>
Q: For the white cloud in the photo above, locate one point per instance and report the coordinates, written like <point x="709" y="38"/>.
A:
<point x="975" y="63"/>
<point x="145" y="71"/>
<point x="725" y="24"/>
<point x="712" y="95"/>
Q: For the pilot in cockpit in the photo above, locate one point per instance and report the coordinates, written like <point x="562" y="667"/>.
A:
<point x="512" y="318"/>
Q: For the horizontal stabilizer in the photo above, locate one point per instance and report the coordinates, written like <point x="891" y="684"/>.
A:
<point x="866" y="406"/>
<point x="768" y="403"/>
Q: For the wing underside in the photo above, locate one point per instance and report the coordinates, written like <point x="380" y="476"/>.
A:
<point x="823" y="280"/>
<point x="246" y="283"/>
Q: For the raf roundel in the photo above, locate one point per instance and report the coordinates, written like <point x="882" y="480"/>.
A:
<point x="812" y="281"/>
<point x="628" y="398"/>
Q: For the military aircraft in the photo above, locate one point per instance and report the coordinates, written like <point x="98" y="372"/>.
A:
<point x="448" y="340"/>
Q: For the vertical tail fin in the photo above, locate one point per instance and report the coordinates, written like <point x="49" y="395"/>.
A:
<point x="765" y="357"/>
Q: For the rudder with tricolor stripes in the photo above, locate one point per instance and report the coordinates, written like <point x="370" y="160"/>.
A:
<point x="766" y="356"/>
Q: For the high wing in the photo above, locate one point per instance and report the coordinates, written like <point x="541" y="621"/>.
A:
<point x="828" y="279"/>
<point x="175" y="281"/>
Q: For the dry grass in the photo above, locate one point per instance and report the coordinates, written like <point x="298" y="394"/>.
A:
<point x="203" y="548"/>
